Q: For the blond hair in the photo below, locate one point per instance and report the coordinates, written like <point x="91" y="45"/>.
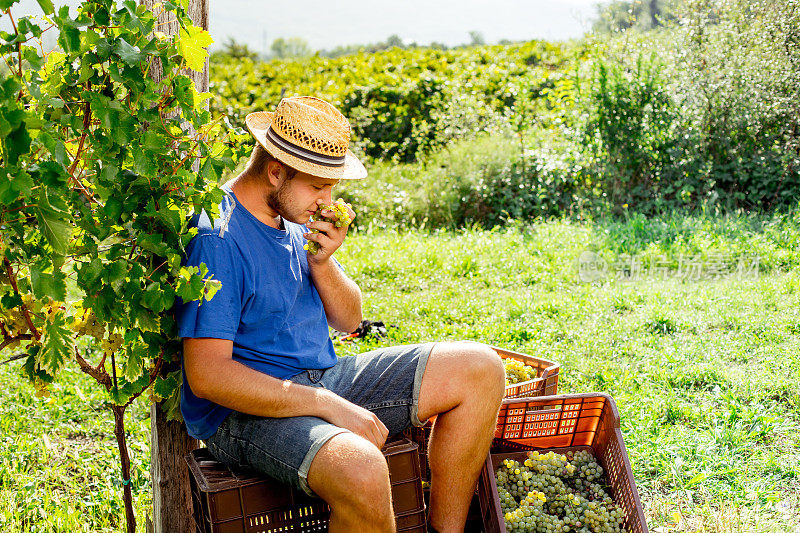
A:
<point x="260" y="158"/>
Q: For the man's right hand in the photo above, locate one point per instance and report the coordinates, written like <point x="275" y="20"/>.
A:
<point x="348" y="415"/>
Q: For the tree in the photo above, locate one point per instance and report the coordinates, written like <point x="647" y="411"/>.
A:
<point x="236" y="50"/>
<point x="476" y="38"/>
<point x="620" y="15"/>
<point x="97" y="182"/>
<point x="291" y="47"/>
<point x="394" y="40"/>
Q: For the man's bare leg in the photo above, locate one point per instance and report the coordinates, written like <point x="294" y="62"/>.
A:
<point x="463" y="384"/>
<point x="351" y="475"/>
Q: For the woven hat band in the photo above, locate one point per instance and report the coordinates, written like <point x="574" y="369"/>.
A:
<point x="304" y="153"/>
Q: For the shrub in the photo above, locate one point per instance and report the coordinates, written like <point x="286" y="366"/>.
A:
<point x="715" y="119"/>
<point x="737" y="82"/>
<point x="395" y="122"/>
<point x="630" y="129"/>
<point x="402" y="103"/>
<point x="483" y="181"/>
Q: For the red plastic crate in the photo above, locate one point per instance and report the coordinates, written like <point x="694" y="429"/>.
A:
<point x="560" y="424"/>
<point x="545" y="384"/>
<point x="227" y="501"/>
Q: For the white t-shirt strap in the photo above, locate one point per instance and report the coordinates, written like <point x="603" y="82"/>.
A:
<point x="224" y="226"/>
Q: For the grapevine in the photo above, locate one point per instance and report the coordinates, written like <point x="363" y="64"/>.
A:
<point x="107" y="147"/>
<point x="341" y="219"/>
<point x="552" y="492"/>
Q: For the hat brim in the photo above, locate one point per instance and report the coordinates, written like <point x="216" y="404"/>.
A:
<point x="258" y="123"/>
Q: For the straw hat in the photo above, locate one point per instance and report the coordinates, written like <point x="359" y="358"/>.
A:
<point x="310" y="135"/>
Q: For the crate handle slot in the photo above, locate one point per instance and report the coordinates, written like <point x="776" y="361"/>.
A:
<point x="555" y="410"/>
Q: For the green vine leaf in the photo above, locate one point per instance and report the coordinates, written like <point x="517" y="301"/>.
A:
<point x="55" y="230"/>
<point x="70" y="39"/>
<point x="131" y="55"/>
<point x="47" y="6"/>
<point x="152" y="297"/>
<point x="166" y="389"/>
<point x="192" y="43"/>
<point x="134" y="366"/>
<point x="51" y="285"/>
<point x="165" y="385"/>
<point x="31" y="369"/>
<point x="148" y="322"/>
<point x="172" y="406"/>
<point x="18" y="140"/>
<point x="57" y="344"/>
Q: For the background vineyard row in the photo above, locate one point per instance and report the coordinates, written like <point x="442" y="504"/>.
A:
<point x="702" y="113"/>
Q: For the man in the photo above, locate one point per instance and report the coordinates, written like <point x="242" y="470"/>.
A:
<point x="262" y="384"/>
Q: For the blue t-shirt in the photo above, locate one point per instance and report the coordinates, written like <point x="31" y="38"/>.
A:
<point x="267" y="305"/>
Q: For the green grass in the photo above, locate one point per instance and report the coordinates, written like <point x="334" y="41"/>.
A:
<point x="706" y="373"/>
<point x="59" y="466"/>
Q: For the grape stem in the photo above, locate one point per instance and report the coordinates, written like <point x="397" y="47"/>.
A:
<point x="99" y="375"/>
<point x="87" y="117"/>
<point x="154" y="373"/>
<point x="19" y="50"/>
<point x="16" y="356"/>
<point x="114" y="369"/>
<point x="154" y="270"/>
<point x="102" y="362"/>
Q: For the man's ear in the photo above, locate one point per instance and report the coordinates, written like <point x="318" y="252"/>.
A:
<point x="274" y="172"/>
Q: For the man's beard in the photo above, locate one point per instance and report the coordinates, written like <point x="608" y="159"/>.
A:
<point x="279" y="201"/>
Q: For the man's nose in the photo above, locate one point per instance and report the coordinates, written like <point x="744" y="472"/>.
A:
<point x="326" y="196"/>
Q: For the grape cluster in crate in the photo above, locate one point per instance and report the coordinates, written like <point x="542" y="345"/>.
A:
<point x="518" y="372"/>
<point x="554" y="492"/>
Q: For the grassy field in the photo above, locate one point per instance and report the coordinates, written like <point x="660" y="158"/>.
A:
<point x="701" y="353"/>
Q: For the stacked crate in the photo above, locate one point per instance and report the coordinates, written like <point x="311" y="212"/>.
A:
<point x="227" y="501"/>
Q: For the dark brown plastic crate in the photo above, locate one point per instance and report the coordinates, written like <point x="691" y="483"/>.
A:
<point x="546" y="384"/>
<point x="562" y="423"/>
<point x="420" y="436"/>
<point x="227" y="501"/>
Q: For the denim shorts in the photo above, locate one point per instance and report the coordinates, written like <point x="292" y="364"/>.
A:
<point x="385" y="381"/>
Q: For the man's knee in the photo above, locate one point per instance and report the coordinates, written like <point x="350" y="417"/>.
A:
<point x="459" y="372"/>
<point x="480" y="364"/>
<point x="350" y="472"/>
<point x="368" y="476"/>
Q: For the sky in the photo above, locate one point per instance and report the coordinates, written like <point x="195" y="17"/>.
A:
<point x="330" y="23"/>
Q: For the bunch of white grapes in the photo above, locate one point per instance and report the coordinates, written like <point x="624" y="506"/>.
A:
<point x="341" y="219"/>
<point x="518" y="372"/>
<point x="112" y="344"/>
<point x="13" y="322"/>
<point x="555" y="493"/>
<point x="86" y="323"/>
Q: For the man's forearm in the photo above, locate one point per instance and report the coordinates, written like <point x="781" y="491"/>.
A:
<point x="238" y="387"/>
<point x="340" y="295"/>
<point x="215" y="376"/>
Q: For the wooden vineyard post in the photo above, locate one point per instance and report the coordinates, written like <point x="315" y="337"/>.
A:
<point x="169" y="442"/>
